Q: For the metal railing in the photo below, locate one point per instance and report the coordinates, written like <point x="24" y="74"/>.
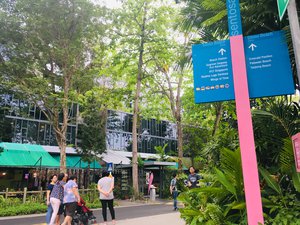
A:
<point x="41" y="193"/>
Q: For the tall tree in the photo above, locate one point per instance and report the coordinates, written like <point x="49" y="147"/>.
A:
<point x="138" y="26"/>
<point x="45" y="44"/>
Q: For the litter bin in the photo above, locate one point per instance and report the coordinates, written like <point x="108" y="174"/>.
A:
<point x="152" y="193"/>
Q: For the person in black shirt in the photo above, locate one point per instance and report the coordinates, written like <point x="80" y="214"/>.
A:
<point x="52" y="182"/>
<point x="193" y="178"/>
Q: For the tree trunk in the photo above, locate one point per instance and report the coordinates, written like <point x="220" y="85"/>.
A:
<point x="62" y="147"/>
<point x="180" y="144"/>
<point x="135" y="172"/>
<point x="219" y="110"/>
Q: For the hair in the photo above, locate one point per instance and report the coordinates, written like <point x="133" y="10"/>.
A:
<point x="60" y="176"/>
<point x="73" y="177"/>
<point x="193" y="168"/>
<point x="51" y="177"/>
<point x="174" y="175"/>
<point x="105" y="173"/>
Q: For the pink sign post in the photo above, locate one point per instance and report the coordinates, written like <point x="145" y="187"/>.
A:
<point x="245" y="128"/>
<point x="296" y="147"/>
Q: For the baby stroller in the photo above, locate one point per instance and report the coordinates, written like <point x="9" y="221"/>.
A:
<point x="83" y="215"/>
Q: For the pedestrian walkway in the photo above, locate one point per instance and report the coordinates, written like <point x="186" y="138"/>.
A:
<point x="170" y="218"/>
<point x="128" y="212"/>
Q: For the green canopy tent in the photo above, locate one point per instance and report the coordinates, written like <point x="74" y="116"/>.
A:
<point x="76" y="162"/>
<point x="25" y="155"/>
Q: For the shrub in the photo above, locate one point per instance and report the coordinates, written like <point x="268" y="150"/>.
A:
<point x="23" y="209"/>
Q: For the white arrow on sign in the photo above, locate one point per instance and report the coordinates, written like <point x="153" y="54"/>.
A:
<point x="222" y="51"/>
<point x="252" y="46"/>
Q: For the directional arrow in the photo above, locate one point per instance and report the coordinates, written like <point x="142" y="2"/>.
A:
<point x="222" y="51"/>
<point x="252" y="46"/>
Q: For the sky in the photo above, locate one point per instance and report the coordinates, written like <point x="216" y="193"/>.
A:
<point x="109" y="3"/>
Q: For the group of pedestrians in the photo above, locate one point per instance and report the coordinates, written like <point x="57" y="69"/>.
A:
<point x="192" y="182"/>
<point x="63" y="198"/>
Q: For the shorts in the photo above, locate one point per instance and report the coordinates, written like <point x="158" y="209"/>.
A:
<point x="61" y="209"/>
<point x="71" y="208"/>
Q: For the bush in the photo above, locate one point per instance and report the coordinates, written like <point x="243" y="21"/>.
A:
<point x="22" y="209"/>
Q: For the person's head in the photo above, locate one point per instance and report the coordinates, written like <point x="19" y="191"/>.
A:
<point x="105" y="173"/>
<point x="53" y="178"/>
<point x="65" y="179"/>
<point x="73" y="178"/>
<point x="192" y="170"/>
<point x="61" y="176"/>
<point x="174" y="175"/>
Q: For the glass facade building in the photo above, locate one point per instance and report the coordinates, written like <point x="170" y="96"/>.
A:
<point x="151" y="133"/>
<point x="26" y="123"/>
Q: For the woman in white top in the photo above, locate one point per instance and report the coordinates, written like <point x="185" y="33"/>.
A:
<point x="105" y="188"/>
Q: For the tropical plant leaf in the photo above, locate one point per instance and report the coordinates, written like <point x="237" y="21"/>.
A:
<point x="225" y="182"/>
<point x="296" y="179"/>
<point x="286" y="156"/>
<point x="272" y="183"/>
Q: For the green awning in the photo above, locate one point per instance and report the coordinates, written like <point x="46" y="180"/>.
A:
<point x="75" y="161"/>
<point x="176" y="167"/>
<point x="25" y="155"/>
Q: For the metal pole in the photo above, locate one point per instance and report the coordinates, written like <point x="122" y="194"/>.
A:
<point x="295" y="32"/>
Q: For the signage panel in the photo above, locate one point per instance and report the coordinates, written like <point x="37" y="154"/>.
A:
<point x="212" y="72"/>
<point x="234" y="17"/>
<point x="268" y="65"/>
<point x="282" y="6"/>
<point x="109" y="167"/>
<point x="269" y="70"/>
<point x="296" y="147"/>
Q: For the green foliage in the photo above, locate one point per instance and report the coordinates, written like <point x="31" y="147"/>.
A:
<point x="284" y="210"/>
<point x="270" y="180"/>
<point x="223" y="200"/>
<point x="161" y="151"/>
<point x="23" y="209"/>
<point x="14" y="206"/>
<point x="92" y="132"/>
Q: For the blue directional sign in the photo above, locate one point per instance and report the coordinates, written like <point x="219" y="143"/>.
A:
<point x="212" y="72"/>
<point x="109" y="167"/>
<point x="268" y="68"/>
<point x="268" y="65"/>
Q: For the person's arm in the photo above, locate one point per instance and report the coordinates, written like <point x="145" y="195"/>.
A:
<point x="112" y="185"/>
<point x="171" y="187"/>
<point x="76" y="193"/>
<point x="48" y="196"/>
<point x="189" y="184"/>
<point x="101" y="190"/>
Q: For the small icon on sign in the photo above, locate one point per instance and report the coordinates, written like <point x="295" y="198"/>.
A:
<point x="252" y="46"/>
<point x="212" y="87"/>
<point x="217" y="86"/>
<point x="207" y="88"/>
<point x="202" y="88"/>
<point x="198" y="89"/>
<point x="222" y="51"/>
<point x="226" y="85"/>
<point x="222" y="86"/>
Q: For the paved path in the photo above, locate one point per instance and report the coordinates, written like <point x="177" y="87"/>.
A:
<point x="164" y="219"/>
<point x="140" y="214"/>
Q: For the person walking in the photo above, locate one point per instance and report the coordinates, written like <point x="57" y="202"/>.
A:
<point x="193" y="178"/>
<point x="71" y="198"/>
<point x="62" y="206"/>
<point x="105" y="188"/>
<point x="56" y="197"/>
<point x="51" y="184"/>
<point x="174" y="190"/>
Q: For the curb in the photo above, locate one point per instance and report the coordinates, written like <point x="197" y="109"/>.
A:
<point x="43" y="214"/>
